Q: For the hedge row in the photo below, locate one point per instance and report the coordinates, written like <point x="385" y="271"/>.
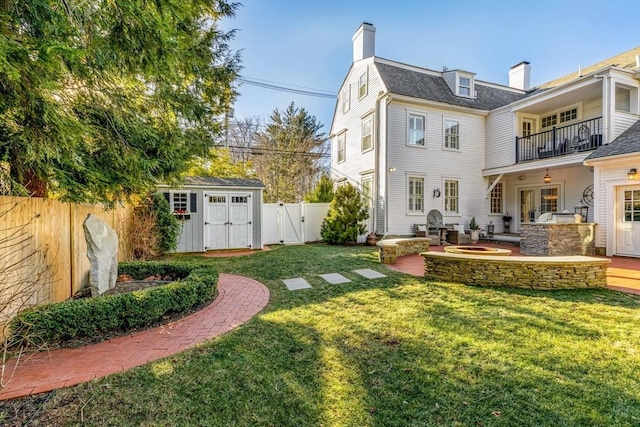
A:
<point x="58" y="323"/>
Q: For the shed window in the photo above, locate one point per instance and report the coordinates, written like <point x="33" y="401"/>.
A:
<point x="179" y="202"/>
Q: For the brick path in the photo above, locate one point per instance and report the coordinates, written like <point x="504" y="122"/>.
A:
<point x="239" y="299"/>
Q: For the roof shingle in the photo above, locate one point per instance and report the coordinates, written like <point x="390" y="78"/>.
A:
<point x="627" y="143"/>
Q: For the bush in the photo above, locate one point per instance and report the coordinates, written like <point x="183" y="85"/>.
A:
<point x="346" y="212"/>
<point x="58" y="323"/>
<point x="167" y="226"/>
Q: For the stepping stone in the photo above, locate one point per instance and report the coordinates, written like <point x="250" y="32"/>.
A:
<point x="297" y="283"/>
<point x="335" y="278"/>
<point x="369" y="273"/>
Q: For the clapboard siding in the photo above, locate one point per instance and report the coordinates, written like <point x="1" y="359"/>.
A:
<point x="356" y="161"/>
<point x="623" y="121"/>
<point x="435" y="164"/>
<point x="501" y="145"/>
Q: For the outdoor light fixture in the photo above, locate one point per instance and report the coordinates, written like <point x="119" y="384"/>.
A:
<point x="547" y="178"/>
<point x="436" y="193"/>
<point x="632" y="174"/>
<point x="392" y="169"/>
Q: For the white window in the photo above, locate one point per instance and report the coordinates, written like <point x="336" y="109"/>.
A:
<point x="452" y="134"/>
<point x="363" y="82"/>
<point x="416" y="129"/>
<point x="567" y="116"/>
<point x="345" y="97"/>
<point x="549" y="120"/>
<point x="341" y="148"/>
<point x="367" y="134"/>
<point x="180" y="202"/>
<point x="464" y="86"/>
<point x="496" y="199"/>
<point x="451" y="196"/>
<point x="416" y="194"/>
<point x="366" y="192"/>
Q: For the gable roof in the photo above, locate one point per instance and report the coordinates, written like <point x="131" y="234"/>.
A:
<point x="402" y="81"/>
<point x="625" y="60"/>
<point x="627" y="143"/>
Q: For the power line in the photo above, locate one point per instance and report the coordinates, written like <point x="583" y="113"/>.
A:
<point x="281" y="88"/>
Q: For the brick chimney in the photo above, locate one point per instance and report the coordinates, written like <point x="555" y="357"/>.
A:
<point x="364" y="42"/>
<point x="520" y="76"/>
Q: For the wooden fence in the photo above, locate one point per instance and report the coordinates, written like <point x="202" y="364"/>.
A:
<point x="43" y="240"/>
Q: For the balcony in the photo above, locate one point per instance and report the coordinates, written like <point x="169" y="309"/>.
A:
<point x="560" y="141"/>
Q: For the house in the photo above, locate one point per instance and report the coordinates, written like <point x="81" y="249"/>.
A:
<point x="217" y="213"/>
<point x="414" y="140"/>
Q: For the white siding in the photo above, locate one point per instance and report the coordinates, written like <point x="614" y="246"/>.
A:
<point x="435" y="164"/>
<point x="355" y="160"/>
<point x="501" y="141"/>
<point x="623" y="121"/>
<point x="592" y="108"/>
<point x="610" y="178"/>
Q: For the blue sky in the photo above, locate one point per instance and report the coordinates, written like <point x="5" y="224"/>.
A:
<point x="307" y="44"/>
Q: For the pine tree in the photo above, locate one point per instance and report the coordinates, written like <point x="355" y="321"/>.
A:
<point x="99" y="100"/>
<point x="322" y="192"/>
<point x="343" y="224"/>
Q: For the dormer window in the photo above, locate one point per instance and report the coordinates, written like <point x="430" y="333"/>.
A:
<point x="464" y="86"/>
<point x="460" y="82"/>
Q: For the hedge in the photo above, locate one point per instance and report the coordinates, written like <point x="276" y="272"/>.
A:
<point x="88" y="318"/>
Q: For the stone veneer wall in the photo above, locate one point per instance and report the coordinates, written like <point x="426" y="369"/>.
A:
<point x="571" y="272"/>
<point x="558" y="239"/>
<point x="389" y="250"/>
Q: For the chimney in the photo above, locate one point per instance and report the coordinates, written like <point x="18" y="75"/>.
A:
<point x="519" y="76"/>
<point x="364" y="42"/>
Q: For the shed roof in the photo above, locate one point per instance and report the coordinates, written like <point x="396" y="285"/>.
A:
<point x="403" y="81"/>
<point x="206" y="181"/>
<point x="627" y="143"/>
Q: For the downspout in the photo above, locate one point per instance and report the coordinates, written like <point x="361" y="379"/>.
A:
<point x="386" y="170"/>
<point x="376" y="166"/>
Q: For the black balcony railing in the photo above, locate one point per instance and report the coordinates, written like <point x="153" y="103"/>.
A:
<point x="560" y="141"/>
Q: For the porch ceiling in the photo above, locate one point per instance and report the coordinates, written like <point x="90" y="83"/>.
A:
<point x="542" y="104"/>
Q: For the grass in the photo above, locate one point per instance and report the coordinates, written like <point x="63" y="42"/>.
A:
<point x="398" y="351"/>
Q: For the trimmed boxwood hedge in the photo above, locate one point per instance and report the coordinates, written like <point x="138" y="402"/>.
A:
<point x="88" y="318"/>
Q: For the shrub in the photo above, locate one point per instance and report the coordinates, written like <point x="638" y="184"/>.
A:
<point x="167" y="226"/>
<point x="61" y="322"/>
<point x="346" y="212"/>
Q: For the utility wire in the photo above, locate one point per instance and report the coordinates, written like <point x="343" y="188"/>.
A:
<point x="280" y="88"/>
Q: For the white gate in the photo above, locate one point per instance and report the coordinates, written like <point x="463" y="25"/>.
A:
<point x="227" y="220"/>
<point x="292" y="223"/>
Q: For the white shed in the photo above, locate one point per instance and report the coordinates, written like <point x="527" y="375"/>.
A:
<point x="217" y="213"/>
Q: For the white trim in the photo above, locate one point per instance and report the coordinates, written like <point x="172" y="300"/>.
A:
<point x="346" y="90"/>
<point x="457" y="180"/>
<point x="365" y="85"/>
<point x="423" y="177"/>
<point x="362" y="135"/>
<point x="423" y="115"/>
<point x="446" y="119"/>
<point x="343" y="137"/>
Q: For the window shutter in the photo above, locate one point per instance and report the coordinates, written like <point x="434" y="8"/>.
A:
<point x="193" y="205"/>
<point x="166" y="196"/>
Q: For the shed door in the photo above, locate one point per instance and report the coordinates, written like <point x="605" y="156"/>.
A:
<point x="215" y="221"/>
<point x="240" y="221"/>
<point x="628" y="221"/>
<point x="228" y="221"/>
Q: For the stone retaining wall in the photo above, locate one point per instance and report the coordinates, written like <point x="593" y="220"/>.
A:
<point x="390" y="249"/>
<point x="558" y="239"/>
<point x="544" y="273"/>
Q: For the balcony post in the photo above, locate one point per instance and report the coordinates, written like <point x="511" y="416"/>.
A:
<point x="553" y="143"/>
<point x="517" y="151"/>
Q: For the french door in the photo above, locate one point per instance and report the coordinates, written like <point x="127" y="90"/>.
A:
<point x="535" y="201"/>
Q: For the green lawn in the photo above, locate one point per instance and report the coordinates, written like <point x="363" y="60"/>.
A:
<point x="399" y="351"/>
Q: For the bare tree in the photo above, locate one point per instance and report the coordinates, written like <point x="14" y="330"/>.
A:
<point x="242" y="137"/>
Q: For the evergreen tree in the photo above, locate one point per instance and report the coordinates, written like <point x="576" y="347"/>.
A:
<point x="290" y="154"/>
<point x="343" y="224"/>
<point x="99" y="100"/>
<point x="322" y="192"/>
